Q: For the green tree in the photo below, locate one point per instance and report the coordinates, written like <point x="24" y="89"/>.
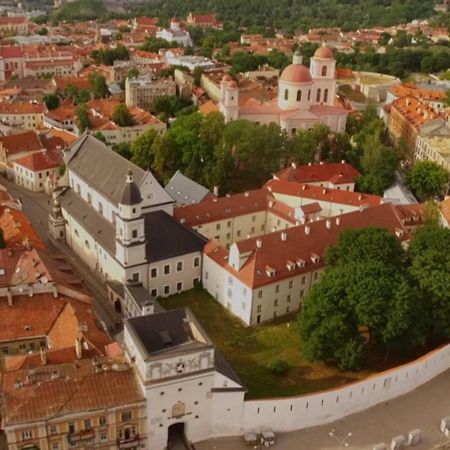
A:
<point x="100" y="136"/>
<point x="142" y="149"/>
<point x="121" y="116"/>
<point x="83" y="120"/>
<point x="51" y="101"/>
<point x="98" y="85"/>
<point x="427" y="179"/>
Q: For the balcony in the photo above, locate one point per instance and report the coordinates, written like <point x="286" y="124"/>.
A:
<point x="128" y="442"/>
<point x="81" y="436"/>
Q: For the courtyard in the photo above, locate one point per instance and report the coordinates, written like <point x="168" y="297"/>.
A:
<point x="251" y="350"/>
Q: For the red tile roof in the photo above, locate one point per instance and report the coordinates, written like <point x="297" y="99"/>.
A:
<point x="21" y="108"/>
<point x="302" y="244"/>
<point x="324" y="194"/>
<point x="22" y="142"/>
<point x="336" y="173"/>
<point x="42" y="160"/>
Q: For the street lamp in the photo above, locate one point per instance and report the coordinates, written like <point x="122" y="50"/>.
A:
<point x="342" y="441"/>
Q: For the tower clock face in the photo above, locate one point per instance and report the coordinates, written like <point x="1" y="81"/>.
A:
<point x="180" y="367"/>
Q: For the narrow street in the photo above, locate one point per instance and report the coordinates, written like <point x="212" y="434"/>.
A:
<point x="36" y="206"/>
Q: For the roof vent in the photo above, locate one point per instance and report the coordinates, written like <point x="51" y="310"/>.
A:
<point x="247" y="194"/>
<point x="294" y="165"/>
<point x="321" y="163"/>
<point x="284" y="236"/>
<point x="328" y="224"/>
<point x="343" y="161"/>
<point x="258" y="243"/>
<point x="166" y="337"/>
<point x="307" y="230"/>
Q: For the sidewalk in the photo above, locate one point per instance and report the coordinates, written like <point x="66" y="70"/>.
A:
<point x="422" y="408"/>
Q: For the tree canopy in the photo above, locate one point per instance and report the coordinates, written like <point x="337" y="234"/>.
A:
<point x="427" y="179"/>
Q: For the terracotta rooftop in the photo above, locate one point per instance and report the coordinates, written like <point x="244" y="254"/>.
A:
<point x="410" y="90"/>
<point x="336" y="173"/>
<point x="17" y="229"/>
<point x="414" y="111"/>
<point x="320" y="193"/>
<point x="65" y="389"/>
<point x="302" y="248"/>
<point x="21" y="108"/>
<point x="45" y="160"/>
<point x="22" y="142"/>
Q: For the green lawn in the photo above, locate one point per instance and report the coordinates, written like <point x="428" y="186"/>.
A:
<point x="249" y="350"/>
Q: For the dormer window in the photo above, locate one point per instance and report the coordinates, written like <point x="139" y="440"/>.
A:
<point x="290" y="266"/>
<point x="301" y="263"/>
<point x="315" y="258"/>
<point x="271" y="272"/>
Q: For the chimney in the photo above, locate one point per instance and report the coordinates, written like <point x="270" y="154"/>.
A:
<point x="247" y="194"/>
<point x="338" y="221"/>
<point x="321" y="163"/>
<point x="55" y="291"/>
<point x="216" y="191"/>
<point x="343" y="161"/>
<point x="43" y="356"/>
<point x="294" y="165"/>
<point x="78" y="348"/>
<point x="258" y="243"/>
<point x="307" y="230"/>
<point x="284" y="236"/>
<point x="328" y="224"/>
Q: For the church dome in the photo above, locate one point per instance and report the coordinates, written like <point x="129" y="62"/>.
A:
<point x="131" y="194"/>
<point x="324" y="52"/>
<point x="296" y="73"/>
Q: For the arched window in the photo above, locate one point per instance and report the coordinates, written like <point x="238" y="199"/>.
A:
<point x="325" y="95"/>
<point x="299" y="95"/>
<point x="286" y="94"/>
<point x="319" y="93"/>
<point x="324" y="71"/>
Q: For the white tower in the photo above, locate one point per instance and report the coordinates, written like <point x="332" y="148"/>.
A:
<point x="130" y="232"/>
<point x="323" y="71"/>
<point x="229" y="99"/>
<point x="56" y="221"/>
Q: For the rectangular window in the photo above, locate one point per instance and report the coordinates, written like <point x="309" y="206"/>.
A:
<point x="275" y="302"/>
<point x="179" y="286"/>
<point x="135" y="276"/>
<point x="277" y="288"/>
<point x="103" y="436"/>
<point x="27" y="434"/>
<point x="166" y="290"/>
<point x="288" y="298"/>
<point x="167" y="269"/>
<point x="154" y="272"/>
<point x="87" y="424"/>
<point x="229" y="224"/>
<point x="218" y="226"/>
<point x="316" y="275"/>
<point x="301" y="294"/>
<point x="196" y="261"/>
<point x="53" y="429"/>
<point x="258" y="309"/>
<point x="303" y="280"/>
<point x="154" y="293"/>
<point x="260" y="294"/>
<point x="102" y="420"/>
<point x="291" y="283"/>
<point x="253" y="218"/>
<point x="5" y="350"/>
<point x="55" y="445"/>
<point x="126" y="416"/>
<point x="134" y="234"/>
<point x="72" y="428"/>
<point x="179" y="266"/>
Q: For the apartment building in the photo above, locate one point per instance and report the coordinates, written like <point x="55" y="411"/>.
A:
<point x="142" y="91"/>
<point x="13" y="25"/>
<point x="28" y="116"/>
<point x="80" y="403"/>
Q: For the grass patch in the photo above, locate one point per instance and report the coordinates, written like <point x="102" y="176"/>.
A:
<point x="251" y="351"/>
<point x="351" y="94"/>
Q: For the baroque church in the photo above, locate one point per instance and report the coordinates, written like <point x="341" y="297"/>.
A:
<point x="305" y="97"/>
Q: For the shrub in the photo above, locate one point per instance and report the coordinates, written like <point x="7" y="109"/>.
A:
<point x="278" y="367"/>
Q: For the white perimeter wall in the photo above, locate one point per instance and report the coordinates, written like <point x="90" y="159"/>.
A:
<point x="294" y="413"/>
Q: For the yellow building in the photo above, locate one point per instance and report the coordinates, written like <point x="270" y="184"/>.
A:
<point x="82" y="403"/>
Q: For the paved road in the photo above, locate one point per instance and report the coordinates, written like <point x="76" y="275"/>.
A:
<point x="422" y="408"/>
<point x="37" y="206"/>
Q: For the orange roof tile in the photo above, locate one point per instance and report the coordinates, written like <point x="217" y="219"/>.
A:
<point x="22" y="142"/>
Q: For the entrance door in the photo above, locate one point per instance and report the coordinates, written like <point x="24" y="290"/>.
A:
<point x="118" y="306"/>
<point x="176" y="439"/>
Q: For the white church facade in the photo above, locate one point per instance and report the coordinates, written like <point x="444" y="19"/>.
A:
<point x="305" y="97"/>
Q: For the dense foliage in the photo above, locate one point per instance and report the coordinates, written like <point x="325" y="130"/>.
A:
<point x="375" y="293"/>
<point x="427" y="179"/>
<point x="300" y="14"/>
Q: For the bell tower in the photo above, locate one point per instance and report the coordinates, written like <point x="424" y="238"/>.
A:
<point x="56" y="221"/>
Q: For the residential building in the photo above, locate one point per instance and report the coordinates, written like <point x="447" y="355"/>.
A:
<point x="341" y="176"/>
<point x="84" y="403"/>
<point x="28" y="116"/>
<point x="175" y="34"/>
<point x="142" y="91"/>
<point x="190" y="386"/>
<point x="13" y="25"/>
<point x="407" y="115"/>
<point x="305" y="97"/>
<point x="204" y="21"/>
<point x="259" y="279"/>
<point x="124" y="230"/>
